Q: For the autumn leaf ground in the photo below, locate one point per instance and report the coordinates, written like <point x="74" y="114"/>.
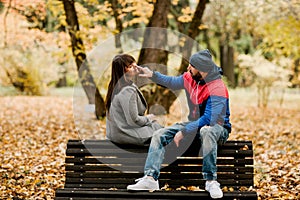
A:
<point x="34" y="132"/>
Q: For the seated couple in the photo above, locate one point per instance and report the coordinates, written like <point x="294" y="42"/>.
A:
<point x="208" y="120"/>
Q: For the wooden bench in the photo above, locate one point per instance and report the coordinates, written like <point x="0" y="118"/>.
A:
<point x="100" y="169"/>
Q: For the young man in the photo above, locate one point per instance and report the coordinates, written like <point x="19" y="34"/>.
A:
<point x="208" y="102"/>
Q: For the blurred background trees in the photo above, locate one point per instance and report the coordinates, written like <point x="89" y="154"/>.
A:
<point x="40" y="49"/>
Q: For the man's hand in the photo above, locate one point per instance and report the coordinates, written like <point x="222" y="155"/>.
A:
<point x="179" y="136"/>
<point x="145" y="72"/>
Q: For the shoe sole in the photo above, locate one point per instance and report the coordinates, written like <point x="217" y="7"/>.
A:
<point x="138" y="189"/>
<point x="141" y="189"/>
<point x="216" y="197"/>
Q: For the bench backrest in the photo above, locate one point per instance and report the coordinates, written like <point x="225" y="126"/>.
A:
<point x="105" y="165"/>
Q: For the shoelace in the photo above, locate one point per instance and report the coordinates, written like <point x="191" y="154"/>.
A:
<point x="214" y="185"/>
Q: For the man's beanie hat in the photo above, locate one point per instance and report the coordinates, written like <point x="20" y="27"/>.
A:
<point x="202" y="61"/>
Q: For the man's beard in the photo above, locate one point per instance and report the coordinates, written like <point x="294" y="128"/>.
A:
<point x="197" y="77"/>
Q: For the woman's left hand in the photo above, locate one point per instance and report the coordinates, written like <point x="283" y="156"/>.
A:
<point x="151" y="117"/>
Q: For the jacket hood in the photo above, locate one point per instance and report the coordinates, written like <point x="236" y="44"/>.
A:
<point x="215" y="73"/>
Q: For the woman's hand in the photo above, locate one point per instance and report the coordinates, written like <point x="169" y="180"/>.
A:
<point x="151" y="117"/>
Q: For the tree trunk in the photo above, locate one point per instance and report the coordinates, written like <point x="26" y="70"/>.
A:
<point x="193" y="32"/>
<point x="155" y="42"/>
<point x="176" y="10"/>
<point x="78" y="50"/>
<point x="207" y="42"/>
<point x="295" y="76"/>
<point x="154" y="54"/>
<point x="119" y="26"/>
<point x="227" y="63"/>
<point x="62" y="82"/>
<point x="5" y="23"/>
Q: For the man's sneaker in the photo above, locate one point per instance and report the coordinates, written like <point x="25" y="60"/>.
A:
<point x="213" y="187"/>
<point x="144" y="183"/>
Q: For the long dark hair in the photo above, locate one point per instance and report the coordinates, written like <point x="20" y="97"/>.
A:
<point x="118" y="81"/>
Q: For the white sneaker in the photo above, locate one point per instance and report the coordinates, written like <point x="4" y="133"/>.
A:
<point x="144" y="183"/>
<point x="213" y="187"/>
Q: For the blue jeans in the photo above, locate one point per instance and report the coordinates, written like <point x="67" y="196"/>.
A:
<point x="210" y="137"/>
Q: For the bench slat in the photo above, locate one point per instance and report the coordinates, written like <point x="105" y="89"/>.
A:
<point x="107" y="144"/>
<point x="133" y="161"/>
<point x="122" y="183"/>
<point x="125" y="154"/>
<point x="70" y="176"/>
<point x="172" y="169"/>
<point x="122" y="194"/>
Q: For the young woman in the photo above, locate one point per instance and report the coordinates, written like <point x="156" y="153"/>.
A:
<point x="126" y="122"/>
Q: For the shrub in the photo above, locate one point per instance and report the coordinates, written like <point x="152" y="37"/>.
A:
<point x="29" y="71"/>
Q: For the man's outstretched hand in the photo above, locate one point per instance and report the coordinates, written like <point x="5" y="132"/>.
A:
<point x="145" y="72"/>
<point x="179" y="136"/>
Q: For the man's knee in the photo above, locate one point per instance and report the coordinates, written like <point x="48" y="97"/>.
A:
<point x="158" y="137"/>
<point x="209" y="132"/>
<point x="205" y="131"/>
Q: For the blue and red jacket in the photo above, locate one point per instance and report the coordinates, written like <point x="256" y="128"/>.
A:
<point x="208" y="101"/>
